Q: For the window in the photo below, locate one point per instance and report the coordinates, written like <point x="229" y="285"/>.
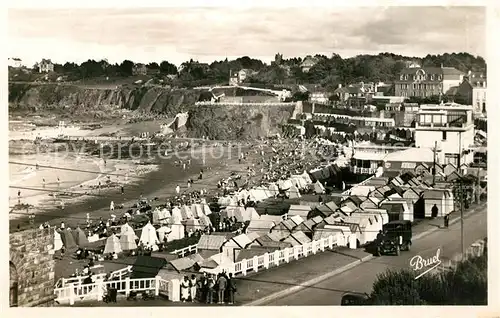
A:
<point x="408" y="165"/>
<point x="444" y="135"/>
<point x="432" y="77"/>
<point x="406" y="77"/>
<point x="414" y="86"/>
<point x="439" y="77"/>
<point x="402" y="77"/>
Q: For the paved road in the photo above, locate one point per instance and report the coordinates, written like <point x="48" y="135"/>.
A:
<point x="362" y="277"/>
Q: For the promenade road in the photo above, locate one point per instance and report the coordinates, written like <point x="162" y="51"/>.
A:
<point x="362" y="277"/>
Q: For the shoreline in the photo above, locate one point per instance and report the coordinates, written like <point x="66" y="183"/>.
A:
<point x="160" y="183"/>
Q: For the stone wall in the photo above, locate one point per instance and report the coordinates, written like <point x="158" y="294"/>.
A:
<point x="32" y="268"/>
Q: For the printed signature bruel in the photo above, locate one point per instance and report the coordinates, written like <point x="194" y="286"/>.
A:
<point x="418" y="263"/>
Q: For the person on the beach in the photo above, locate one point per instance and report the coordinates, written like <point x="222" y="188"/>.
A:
<point x="19" y="196"/>
<point x="184" y="166"/>
<point x="58" y="182"/>
<point x="123" y="190"/>
<point x="43" y="182"/>
<point x="177" y="189"/>
<point x="112" y="206"/>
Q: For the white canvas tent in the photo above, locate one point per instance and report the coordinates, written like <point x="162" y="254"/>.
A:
<point x="273" y="189"/>
<point x="112" y="245"/>
<point x="156" y="216"/>
<point x="127" y="241"/>
<point x="319" y="188"/>
<point x="58" y="243"/>
<point x="176" y="215"/>
<point x="177" y="232"/>
<point x="293" y="192"/>
<point x="148" y="236"/>
<point x="162" y="232"/>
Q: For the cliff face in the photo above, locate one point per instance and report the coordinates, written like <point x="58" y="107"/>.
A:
<point x="73" y="98"/>
<point x="215" y="122"/>
<point x="237" y="122"/>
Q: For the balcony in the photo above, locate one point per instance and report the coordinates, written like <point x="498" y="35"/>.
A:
<point x="443" y="125"/>
<point x="358" y="170"/>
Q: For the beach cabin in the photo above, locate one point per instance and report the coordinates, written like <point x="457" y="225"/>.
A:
<point x="449" y="168"/>
<point x="397" y="209"/>
<point x="324" y="210"/>
<point x="369" y="224"/>
<point x="439" y="198"/>
<point x="297" y="238"/>
<point x="300" y="210"/>
<point x="80" y="237"/>
<point x="422" y="168"/>
<point x="187" y="264"/>
<point x="192" y="225"/>
<point x="209" y="245"/>
<point x="308" y="226"/>
<point x="370" y="203"/>
<point x="415" y="202"/>
<point x="270" y="241"/>
<point x="215" y="264"/>
<point x="379" y="213"/>
<point x="232" y="246"/>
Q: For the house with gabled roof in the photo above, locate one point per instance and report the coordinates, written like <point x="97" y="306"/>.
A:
<point x="370" y="202"/>
<point x="422" y="168"/>
<point x="324" y="210"/>
<point x="209" y="245"/>
<point x="270" y="240"/>
<point x="308" y="226"/>
<point x="232" y="246"/>
<point x="449" y="168"/>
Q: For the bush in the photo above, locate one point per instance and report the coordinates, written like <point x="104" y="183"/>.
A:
<point x="467" y="284"/>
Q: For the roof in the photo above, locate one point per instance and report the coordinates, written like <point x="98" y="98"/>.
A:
<point x="452" y="91"/>
<point x="273" y="218"/>
<point x="411" y="155"/>
<point x="341" y="90"/>
<point x="374" y="181"/>
<point x="325" y="233"/>
<point x="242" y="240"/>
<point x="211" y="242"/>
<point x="147" y="266"/>
<point x="186" y="262"/>
<point x="249" y="253"/>
<point x="297" y="238"/>
<point x="300" y="210"/>
<point x="432" y="70"/>
<point x="433" y="194"/>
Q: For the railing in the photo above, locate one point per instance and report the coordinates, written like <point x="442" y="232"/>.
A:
<point x="186" y="250"/>
<point x="95" y="291"/>
<point x="358" y="170"/>
<point x="246" y="103"/>
<point x="63" y="282"/>
<point x="280" y="257"/>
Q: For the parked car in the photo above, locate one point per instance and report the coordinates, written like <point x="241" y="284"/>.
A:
<point x="355" y="299"/>
<point x="396" y="237"/>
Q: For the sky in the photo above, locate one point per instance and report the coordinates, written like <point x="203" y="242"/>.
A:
<point x="214" y="33"/>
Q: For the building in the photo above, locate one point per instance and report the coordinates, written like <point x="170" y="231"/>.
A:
<point x="308" y="62"/>
<point x="139" y="69"/>
<point x="15" y="62"/>
<point x="472" y="91"/>
<point x="450" y="127"/>
<point x="236" y="78"/>
<point x="426" y="81"/>
<point x="31" y="268"/>
<point x="319" y="97"/>
<point x="342" y="93"/>
<point x="45" y="66"/>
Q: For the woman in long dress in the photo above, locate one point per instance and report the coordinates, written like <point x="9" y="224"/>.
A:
<point x="185" y="289"/>
<point x="193" y="284"/>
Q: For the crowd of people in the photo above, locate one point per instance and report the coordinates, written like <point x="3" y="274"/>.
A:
<point x="209" y="288"/>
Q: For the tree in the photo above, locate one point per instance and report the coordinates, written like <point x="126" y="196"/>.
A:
<point x="126" y="67"/>
<point x="168" y="68"/>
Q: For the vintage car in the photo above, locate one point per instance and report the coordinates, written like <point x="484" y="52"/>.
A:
<point x="354" y="299"/>
<point x="396" y="237"/>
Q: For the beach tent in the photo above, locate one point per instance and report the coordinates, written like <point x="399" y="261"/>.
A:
<point x="112" y="245"/>
<point x="58" y="243"/>
<point x="193" y="225"/>
<point x="127" y="241"/>
<point x="252" y="214"/>
<point x="242" y="195"/>
<point x="162" y="232"/>
<point x="148" y="236"/>
<point x="177" y="232"/>
<point x="306" y="177"/>
<point x="186" y="212"/>
<point x="228" y="212"/>
<point x="206" y="209"/>
<point x="156" y="216"/>
<point x="196" y="210"/>
<point x="293" y="193"/>
<point x="319" y="188"/>
<point x="176" y="215"/>
<point x="164" y="216"/>
<point x="285" y="184"/>
<point x="68" y="239"/>
<point x="274" y="189"/>
<point x="126" y="228"/>
<point x="80" y="237"/>
<point x="205" y="221"/>
<point x="241" y="214"/>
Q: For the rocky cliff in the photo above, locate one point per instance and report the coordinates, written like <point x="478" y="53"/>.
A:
<point x="74" y="98"/>
<point x="237" y="122"/>
<point x="216" y="122"/>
